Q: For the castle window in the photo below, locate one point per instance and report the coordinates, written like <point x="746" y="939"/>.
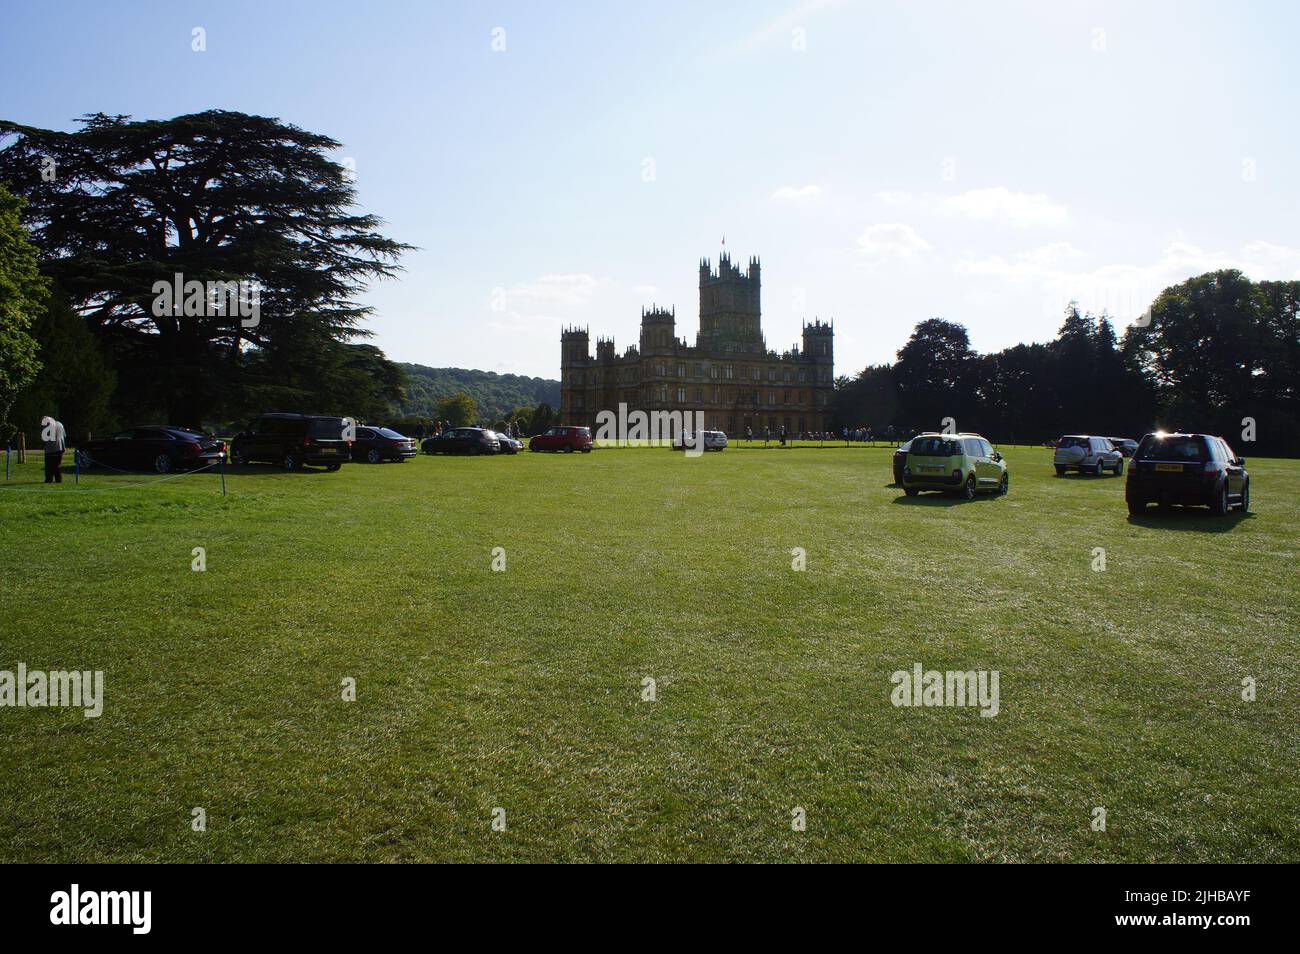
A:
<point x="786" y="375"/>
<point x="755" y="374"/>
<point x="699" y="395"/>
<point x="729" y="370"/>
<point x="771" y="374"/>
<point x="699" y="370"/>
<point x="659" y="369"/>
<point x="713" y="371"/>
<point x="681" y="395"/>
<point x="681" y="370"/>
<point x="663" y="393"/>
<point x="826" y="347"/>
<point x="715" y="395"/>
<point x="802" y="376"/>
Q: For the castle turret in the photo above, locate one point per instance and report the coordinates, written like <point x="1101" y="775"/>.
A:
<point x="574" y="347"/>
<point x="730" y="311"/>
<point x="819" y="341"/>
<point x="658" y="330"/>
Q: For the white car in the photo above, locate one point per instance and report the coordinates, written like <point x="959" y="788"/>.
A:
<point x="1087" y="455"/>
<point x="713" y="440"/>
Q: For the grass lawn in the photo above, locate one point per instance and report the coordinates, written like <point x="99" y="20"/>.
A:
<point x="522" y="689"/>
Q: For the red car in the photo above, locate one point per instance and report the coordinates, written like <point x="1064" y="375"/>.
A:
<point x="567" y="439"/>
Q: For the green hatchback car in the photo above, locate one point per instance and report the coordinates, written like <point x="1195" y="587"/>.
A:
<point x="963" y="464"/>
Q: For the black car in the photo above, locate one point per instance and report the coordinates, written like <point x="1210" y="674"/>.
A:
<point x="155" y="447"/>
<point x="292" y="440"/>
<point x="462" y="440"/>
<point x="1124" y="445"/>
<point x="378" y="444"/>
<point x="1187" y="469"/>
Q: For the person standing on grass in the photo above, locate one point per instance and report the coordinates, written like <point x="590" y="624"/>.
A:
<point x="55" y="439"/>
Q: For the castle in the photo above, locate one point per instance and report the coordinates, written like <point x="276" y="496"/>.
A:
<point x="729" y="374"/>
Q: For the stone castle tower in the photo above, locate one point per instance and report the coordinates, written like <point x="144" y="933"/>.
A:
<point x="729" y="375"/>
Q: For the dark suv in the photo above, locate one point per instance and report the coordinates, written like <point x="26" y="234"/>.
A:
<point x="1187" y="469"/>
<point x="292" y="440"/>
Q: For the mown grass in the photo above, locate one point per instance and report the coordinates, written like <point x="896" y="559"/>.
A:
<point x="522" y="689"/>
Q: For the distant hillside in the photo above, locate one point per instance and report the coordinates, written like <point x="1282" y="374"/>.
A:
<point x="495" y="394"/>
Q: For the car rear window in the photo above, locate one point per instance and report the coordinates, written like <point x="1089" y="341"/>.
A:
<point x="390" y="433"/>
<point x="1173" y="449"/>
<point x="1073" y="442"/>
<point x="325" y="428"/>
<point x="935" y="447"/>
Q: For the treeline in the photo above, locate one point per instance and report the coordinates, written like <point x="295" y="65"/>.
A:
<point x="1217" y="353"/>
<point x="497" y="397"/>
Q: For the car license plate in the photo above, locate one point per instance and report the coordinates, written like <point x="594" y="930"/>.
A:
<point x="1170" y="468"/>
<point x="329" y="450"/>
<point x="931" y="470"/>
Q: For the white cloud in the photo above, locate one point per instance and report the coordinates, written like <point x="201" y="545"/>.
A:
<point x="796" y="193"/>
<point x="891" y="241"/>
<point x="550" y="291"/>
<point x="645" y="291"/>
<point x="779" y="27"/>
<point x="1000" y="204"/>
<point x="1124" y="289"/>
<point x="894" y="197"/>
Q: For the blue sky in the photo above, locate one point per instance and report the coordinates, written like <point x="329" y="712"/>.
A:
<point x="889" y="162"/>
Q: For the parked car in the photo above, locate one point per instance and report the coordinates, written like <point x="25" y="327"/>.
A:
<point x="1187" y="469"/>
<point x="954" y="463"/>
<point x="1087" y="455"/>
<point x="1124" y="445"/>
<point x="565" y="438"/>
<point x="712" y="440"/>
<point x="509" y="445"/>
<point x="462" y="440"/>
<point x="375" y="445"/>
<point x="292" y="440"/>
<point x="159" y="448"/>
<point x="900" y="455"/>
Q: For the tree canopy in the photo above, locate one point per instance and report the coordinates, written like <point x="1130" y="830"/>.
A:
<point x="119" y="205"/>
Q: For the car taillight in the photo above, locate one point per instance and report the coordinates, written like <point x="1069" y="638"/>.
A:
<point x="306" y="441"/>
<point x="956" y="472"/>
<point x="192" y="448"/>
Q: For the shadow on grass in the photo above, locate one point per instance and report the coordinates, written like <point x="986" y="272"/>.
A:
<point x="1200" y="519"/>
<point x="936" y="499"/>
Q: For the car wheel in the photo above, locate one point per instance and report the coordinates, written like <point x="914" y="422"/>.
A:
<point x="1060" y="470"/>
<point x="163" y="464"/>
<point x="968" y="490"/>
<point x="374" y="457"/>
<point x="1098" y="470"/>
<point x="1220" y="502"/>
<point x="237" y="456"/>
<point x="332" y="467"/>
<point x="911" y="491"/>
<point x="291" y="462"/>
<point x="568" y="448"/>
<point x="587" y="450"/>
<point x="1119" y="467"/>
<point x="1245" y="497"/>
<point x="1003" y="485"/>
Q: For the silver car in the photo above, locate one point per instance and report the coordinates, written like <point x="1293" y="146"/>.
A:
<point x="1087" y="455"/>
